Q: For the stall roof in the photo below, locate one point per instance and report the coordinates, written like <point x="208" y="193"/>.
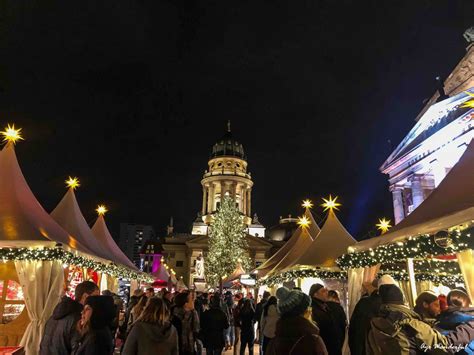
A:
<point x="449" y="205"/>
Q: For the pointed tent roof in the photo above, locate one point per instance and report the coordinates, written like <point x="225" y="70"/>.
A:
<point x="22" y="218"/>
<point x="239" y="270"/>
<point x="331" y="243"/>
<point x="304" y="242"/>
<point x="449" y="205"/>
<point x="180" y="285"/>
<point x="161" y="273"/>
<point x="272" y="262"/>
<point x="107" y="243"/>
<point x="69" y="216"/>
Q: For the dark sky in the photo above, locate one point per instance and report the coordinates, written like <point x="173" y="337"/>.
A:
<point x="131" y="95"/>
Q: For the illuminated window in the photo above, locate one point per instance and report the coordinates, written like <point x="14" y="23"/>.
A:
<point x="11" y="301"/>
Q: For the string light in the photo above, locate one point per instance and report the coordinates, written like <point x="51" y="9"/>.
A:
<point x="330" y="203"/>
<point x="295" y="274"/>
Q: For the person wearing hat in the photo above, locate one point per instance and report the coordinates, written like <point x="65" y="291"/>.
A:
<point x="366" y="309"/>
<point x="399" y="330"/>
<point x="327" y="319"/>
<point x="427" y="306"/>
<point x="94" y="326"/>
<point x="295" y="334"/>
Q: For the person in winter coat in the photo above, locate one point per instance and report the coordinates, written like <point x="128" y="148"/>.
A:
<point x="295" y="334"/>
<point x="60" y="335"/>
<point x="258" y="314"/>
<point x="213" y="323"/>
<point x="268" y="322"/>
<point x="152" y="333"/>
<point x="247" y="330"/>
<point x="94" y="327"/>
<point x="458" y="313"/>
<point x="367" y="308"/>
<point x="326" y="320"/>
<point x="136" y="311"/>
<point x="186" y="321"/>
<point x="427" y="306"/>
<point x="399" y="330"/>
<point x="230" y="331"/>
<point x="237" y="323"/>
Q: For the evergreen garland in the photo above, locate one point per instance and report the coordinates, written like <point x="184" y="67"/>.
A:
<point x="227" y="242"/>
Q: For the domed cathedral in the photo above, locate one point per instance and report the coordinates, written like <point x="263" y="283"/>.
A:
<point x="227" y="175"/>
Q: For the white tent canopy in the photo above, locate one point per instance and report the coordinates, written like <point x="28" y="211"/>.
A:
<point x="331" y="243"/>
<point x="106" y="242"/>
<point x="450" y="204"/>
<point x="292" y="243"/>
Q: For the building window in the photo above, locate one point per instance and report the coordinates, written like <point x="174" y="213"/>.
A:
<point x="179" y="263"/>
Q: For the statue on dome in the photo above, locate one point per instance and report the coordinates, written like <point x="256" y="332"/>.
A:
<point x="469" y="34"/>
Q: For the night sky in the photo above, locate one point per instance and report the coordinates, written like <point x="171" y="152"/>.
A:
<point x="130" y="96"/>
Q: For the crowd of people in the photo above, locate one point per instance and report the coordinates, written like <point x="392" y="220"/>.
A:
<point x="291" y="322"/>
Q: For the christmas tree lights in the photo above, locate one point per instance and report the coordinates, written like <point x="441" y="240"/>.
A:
<point x="227" y="242"/>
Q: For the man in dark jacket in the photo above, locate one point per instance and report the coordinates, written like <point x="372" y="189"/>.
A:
<point x="325" y="319"/>
<point x="359" y="325"/>
<point x="213" y="323"/>
<point x="60" y="334"/>
<point x="258" y="315"/>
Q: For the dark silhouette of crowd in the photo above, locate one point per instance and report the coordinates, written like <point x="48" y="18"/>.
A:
<point x="290" y="322"/>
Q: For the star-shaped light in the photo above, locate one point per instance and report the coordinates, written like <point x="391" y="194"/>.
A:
<point x="383" y="225"/>
<point x="73" y="182"/>
<point x="101" y="210"/>
<point x="330" y="203"/>
<point x="307" y="204"/>
<point x="469" y="103"/>
<point x="303" y="222"/>
<point x="11" y="134"/>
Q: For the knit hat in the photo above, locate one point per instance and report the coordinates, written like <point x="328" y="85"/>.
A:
<point x="386" y="280"/>
<point x="292" y="302"/>
<point x="103" y="310"/>
<point x="391" y="294"/>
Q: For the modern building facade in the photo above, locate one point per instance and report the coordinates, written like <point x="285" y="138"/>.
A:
<point x="440" y="136"/>
<point x="132" y="238"/>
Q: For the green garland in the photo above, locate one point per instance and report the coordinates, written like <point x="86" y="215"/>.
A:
<point x="414" y="247"/>
<point x="69" y="258"/>
<point x="435" y="278"/>
<point x="296" y="274"/>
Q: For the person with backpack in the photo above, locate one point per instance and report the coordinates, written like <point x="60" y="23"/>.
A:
<point x="458" y="312"/>
<point x="213" y="323"/>
<point x="247" y="332"/>
<point x="186" y="321"/>
<point x="399" y="330"/>
<point x="295" y="334"/>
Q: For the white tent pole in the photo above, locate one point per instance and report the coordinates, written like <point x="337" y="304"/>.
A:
<point x="411" y="277"/>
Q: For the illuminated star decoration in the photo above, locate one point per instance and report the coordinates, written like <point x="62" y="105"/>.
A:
<point x="101" y="210"/>
<point x="307" y="204"/>
<point x="330" y="204"/>
<point x="73" y="182"/>
<point x="383" y="225"/>
<point x="303" y="222"/>
<point x="10" y="134"/>
<point x="469" y="103"/>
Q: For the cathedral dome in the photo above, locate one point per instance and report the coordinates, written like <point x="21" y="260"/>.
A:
<point x="228" y="146"/>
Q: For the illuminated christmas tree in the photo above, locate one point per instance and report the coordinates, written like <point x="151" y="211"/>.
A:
<point x="227" y="243"/>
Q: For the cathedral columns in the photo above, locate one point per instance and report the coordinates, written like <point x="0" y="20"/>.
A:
<point x="210" y="201"/>
<point x="243" y="199"/>
<point x="249" y="202"/>
<point x="204" y="199"/>
<point x="398" y="209"/>
<point x="416" y="190"/>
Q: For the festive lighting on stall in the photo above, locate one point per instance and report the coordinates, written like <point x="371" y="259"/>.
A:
<point x="73" y="182"/>
<point x="101" y="210"/>
<point x="307" y="204"/>
<point x="11" y="134"/>
<point x="303" y="222"/>
<point x="383" y="225"/>
<point x="330" y="203"/>
<point x="470" y="102"/>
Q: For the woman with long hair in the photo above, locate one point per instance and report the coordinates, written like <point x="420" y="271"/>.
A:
<point x="152" y="332"/>
<point x="136" y="311"/>
<point x="268" y="322"/>
<point x="94" y="327"/>
<point x="186" y="321"/>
